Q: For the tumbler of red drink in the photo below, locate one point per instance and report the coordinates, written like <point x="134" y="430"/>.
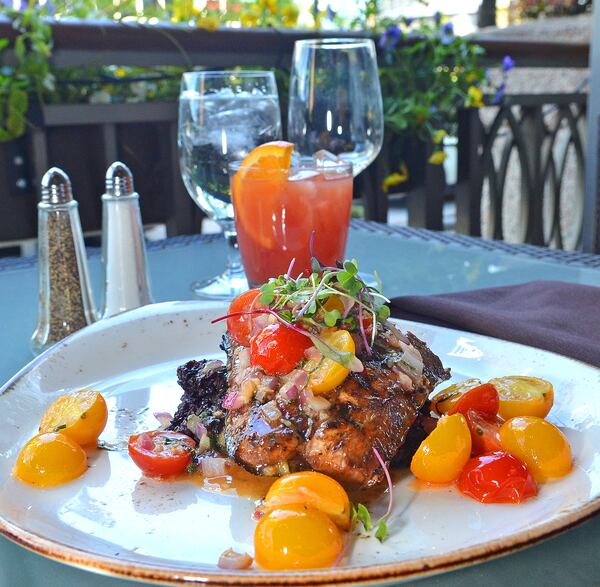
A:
<point x="277" y="210"/>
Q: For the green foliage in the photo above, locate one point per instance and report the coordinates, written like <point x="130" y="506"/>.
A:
<point x="426" y="79"/>
<point x="30" y="74"/>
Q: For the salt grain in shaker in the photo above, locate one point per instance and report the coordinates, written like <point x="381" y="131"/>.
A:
<point x="65" y="297"/>
<point x="126" y="283"/>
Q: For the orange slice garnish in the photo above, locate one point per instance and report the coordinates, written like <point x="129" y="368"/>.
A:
<point x="261" y="174"/>
<point x="265" y="160"/>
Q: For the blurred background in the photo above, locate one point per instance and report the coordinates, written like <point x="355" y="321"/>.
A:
<point x="484" y="105"/>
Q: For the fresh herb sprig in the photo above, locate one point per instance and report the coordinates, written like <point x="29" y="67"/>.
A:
<point x="305" y="298"/>
<point x="360" y="513"/>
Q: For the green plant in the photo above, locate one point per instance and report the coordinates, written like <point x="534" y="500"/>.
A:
<point x="427" y="74"/>
<point x="31" y="74"/>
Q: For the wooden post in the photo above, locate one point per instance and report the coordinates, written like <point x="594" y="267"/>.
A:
<point x="469" y="180"/>
<point x="591" y="215"/>
<point x="426" y="201"/>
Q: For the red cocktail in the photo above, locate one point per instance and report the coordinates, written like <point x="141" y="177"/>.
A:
<point x="277" y="209"/>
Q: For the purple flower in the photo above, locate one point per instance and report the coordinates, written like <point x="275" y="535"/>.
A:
<point x="500" y="92"/>
<point x="447" y="33"/>
<point x="10" y="6"/>
<point x="437" y="18"/>
<point x="330" y="12"/>
<point x="390" y="38"/>
<point x="407" y="20"/>
<point x="507" y="63"/>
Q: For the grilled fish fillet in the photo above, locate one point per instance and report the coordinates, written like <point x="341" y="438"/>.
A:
<point x="374" y="409"/>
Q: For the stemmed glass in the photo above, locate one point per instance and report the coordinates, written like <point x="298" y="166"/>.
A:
<point x="223" y="115"/>
<point x="335" y="100"/>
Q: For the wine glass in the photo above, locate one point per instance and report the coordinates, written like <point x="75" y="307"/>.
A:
<point x="223" y="115"/>
<point x="335" y="100"/>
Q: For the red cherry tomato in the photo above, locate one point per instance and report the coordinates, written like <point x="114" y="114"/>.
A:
<point x="483" y="398"/>
<point x="278" y="349"/>
<point x="160" y="452"/>
<point x="240" y="327"/>
<point x="497" y="477"/>
<point x="485" y="432"/>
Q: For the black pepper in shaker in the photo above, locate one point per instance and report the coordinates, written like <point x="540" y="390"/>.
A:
<point x="65" y="296"/>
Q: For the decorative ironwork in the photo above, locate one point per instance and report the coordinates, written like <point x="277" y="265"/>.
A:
<point x="540" y="199"/>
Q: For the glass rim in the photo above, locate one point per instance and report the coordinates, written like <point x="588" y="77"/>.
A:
<point x="250" y="73"/>
<point x="335" y="42"/>
<point x="340" y="167"/>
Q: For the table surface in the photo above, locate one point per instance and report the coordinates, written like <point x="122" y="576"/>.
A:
<point x="408" y="261"/>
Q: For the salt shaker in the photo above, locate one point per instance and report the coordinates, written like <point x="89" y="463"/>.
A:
<point x="126" y="284"/>
<point x="65" y="296"/>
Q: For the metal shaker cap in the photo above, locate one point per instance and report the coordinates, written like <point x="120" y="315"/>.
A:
<point x="56" y="187"/>
<point x="119" y="180"/>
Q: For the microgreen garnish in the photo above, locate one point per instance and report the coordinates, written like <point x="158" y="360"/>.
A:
<point x="382" y="530"/>
<point x="59" y="427"/>
<point x="330" y="297"/>
<point x="360" y="513"/>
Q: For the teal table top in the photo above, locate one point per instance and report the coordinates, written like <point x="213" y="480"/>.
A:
<point x="408" y="263"/>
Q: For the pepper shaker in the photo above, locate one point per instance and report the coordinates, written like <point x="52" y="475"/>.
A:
<point x="65" y="296"/>
<point x="126" y="284"/>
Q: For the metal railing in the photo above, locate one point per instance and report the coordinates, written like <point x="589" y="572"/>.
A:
<point x="526" y="163"/>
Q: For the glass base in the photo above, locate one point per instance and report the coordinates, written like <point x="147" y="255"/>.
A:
<point x="224" y="287"/>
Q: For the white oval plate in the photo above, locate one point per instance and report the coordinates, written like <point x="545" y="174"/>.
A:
<point x="113" y="520"/>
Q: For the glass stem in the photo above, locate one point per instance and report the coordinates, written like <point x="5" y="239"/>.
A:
<point x="234" y="262"/>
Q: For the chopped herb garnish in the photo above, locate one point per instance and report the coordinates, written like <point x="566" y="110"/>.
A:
<point x="60" y="427"/>
<point x="363" y="516"/>
<point x="303" y="304"/>
<point x="83" y="416"/>
<point x="382" y="531"/>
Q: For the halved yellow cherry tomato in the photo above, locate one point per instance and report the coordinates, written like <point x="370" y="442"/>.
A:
<point x="312" y="489"/>
<point x="539" y="444"/>
<point x="296" y="537"/>
<point x="334" y="303"/>
<point x="523" y="396"/>
<point x="325" y="374"/>
<point x="442" y="455"/>
<point x="50" y="459"/>
<point x="81" y="416"/>
<point x="443" y="401"/>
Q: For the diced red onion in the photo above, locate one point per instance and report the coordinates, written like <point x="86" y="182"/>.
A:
<point x="195" y="426"/>
<point x="411" y="358"/>
<point x="260" y="322"/>
<point x="270" y="382"/>
<point x="272" y="412"/>
<point x="298" y="377"/>
<point x="244" y="359"/>
<point x="164" y="418"/>
<point x="312" y="353"/>
<point x="289" y="391"/>
<point x="397" y="334"/>
<point x="233" y="401"/>
<point x="318" y="404"/>
<point x="213" y="466"/>
<point x="212" y="365"/>
<point x="404" y="380"/>
<point x="145" y="442"/>
<point x="234" y="561"/>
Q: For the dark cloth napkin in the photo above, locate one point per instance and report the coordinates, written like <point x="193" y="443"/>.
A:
<point x="551" y="315"/>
